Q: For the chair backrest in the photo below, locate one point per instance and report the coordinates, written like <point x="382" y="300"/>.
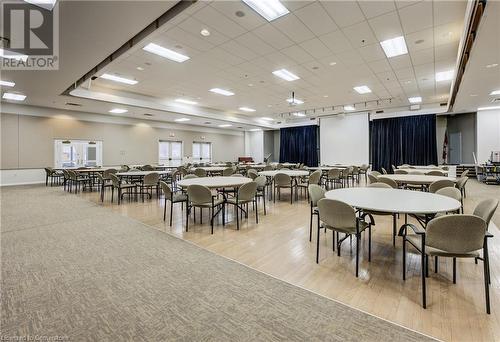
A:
<point x="247" y="191"/>
<point x="458" y="234"/>
<point x="199" y="194"/>
<point x="279" y="166"/>
<point x="485" y="209"/>
<point x="72" y="174"/>
<point x="462" y="181"/>
<point x="167" y="191"/>
<point x="227" y="171"/>
<point x="336" y="214"/>
<point x="393" y="168"/>
<point x="315" y="177"/>
<point x="372" y="178"/>
<point x="435" y="173"/>
<point x="431" y="165"/>
<point x="236" y="175"/>
<point x="375" y="173"/>
<point x="383" y="171"/>
<point x="451" y="192"/>
<point x="465" y="173"/>
<point x="379" y="185"/>
<point x="334" y="173"/>
<point x="261" y="182"/>
<point x="151" y="179"/>
<point x="200" y="172"/>
<point x="364" y="167"/>
<point x="125" y="168"/>
<point x="190" y="175"/>
<point x="439" y="184"/>
<point x="49" y="171"/>
<point x="147" y="167"/>
<point x="282" y="179"/>
<point x="405" y="166"/>
<point x="252" y="173"/>
<point x="388" y="181"/>
<point x="268" y="168"/>
<point x="114" y="179"/>
<point x="100" y="177"/>
<point x="107" y="172"/>
<point x="315" y="193"/>
<point x="400" y="172"/>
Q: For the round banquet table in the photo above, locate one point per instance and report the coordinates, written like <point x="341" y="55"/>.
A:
<point x="416" y="179"/>
<point x="421" y="167"/>
<point x="140" y="173"/>
<point x="211" y="168"/>
<point x="215" y="182"/>
<point x="291" y="173"/>
<point x="394" y="200"/>
<point x="422" y="171"/>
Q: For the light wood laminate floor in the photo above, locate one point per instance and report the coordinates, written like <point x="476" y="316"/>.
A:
<point x="279" y="246"/>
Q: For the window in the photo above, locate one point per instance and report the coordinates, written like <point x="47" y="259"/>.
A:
<point x="202" y="152"/>
<point x="170" y="153"/>
<point x="77" y="153"/>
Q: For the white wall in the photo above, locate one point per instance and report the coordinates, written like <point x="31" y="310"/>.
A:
<point x="254" y="145"/>
<point x="344" y="139"/>
<point x="488" y="133"/>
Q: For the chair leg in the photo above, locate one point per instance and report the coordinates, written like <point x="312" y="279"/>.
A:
<point x="171" y="212"/>
<point x="165" y="211"/>
<point x="404" y="257"/>
<point x="256" y="211"/>
<point x="317" y="243"/>
<point x="264" y="200"/>
<point x="369" y="243"/>
<point x="311" y="225"/>
<point x="424" y="294"/>
<point x="486" y="271"/>
<point x="237" y="218"/>
<point x="394" y="228"/>
<point x="357" y="254"/>
<point x="211" y="218"/>
<point x="436" y="263"/>
<point x="454" y="270"/>
<point x="427" y="266"/>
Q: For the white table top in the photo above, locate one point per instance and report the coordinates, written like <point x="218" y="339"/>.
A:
<point x="416" y="179"/>
<point x="394" y="200"/>
<point x="215" y="182"/>
<point x="212" y="168"/>
<point x="422" y="167"/>
<point x="140" y="173"/>
<point x="291" y="173"/>
<point x="422" y="171"/>
<point x="326" y="168"/>
<point x="252" y="166"/>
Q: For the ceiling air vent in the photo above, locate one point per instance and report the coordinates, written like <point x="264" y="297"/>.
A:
<point x="148" y="114"/>
<point x="443" y="104"/>
<point x="73" y="104"/>
<point x="379" y="111"/>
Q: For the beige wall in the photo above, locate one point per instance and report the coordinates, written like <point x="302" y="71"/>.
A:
<point x="28" y="141"/>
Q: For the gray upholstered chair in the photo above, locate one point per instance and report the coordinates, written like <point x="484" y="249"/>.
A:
<point x="283" y="181"/>
<point x="228" y="171"/>
<point x="316" y="193"/>
<point x="372" y="178"/>
<point x="379" y="185"/>
<point x="261" y="189"/>
<point x="375" y="173"/>
<point x="147" y="167"/>
<point x="314" y="178"/>
<point x="200" y="172"/>
<point x="384" y="171"/>
<point x="245" y="194"/>
<point x="461" y="184"/>
<point x="439" y="184"/>
<point x="189" y="176"/>
<point x="400" y="172"/>
<point x="485" y="209"/>
<point x="334" y="177"/>
<point x="120" y="186"/>
<point x="149" y="182"/>
<point x="252" y="173"/>
<point x="452" y="236"/>
<point x="435" y="173"/>
<point x="388" y="181"/>
<point x="340" y="217"/>
<point x="363" y="170"/>
<point x="199" y="196"/>
<point x="52" y="175"/>
<point x="451" y="192"/>
<point x="268" y="168"/>
<point x="78" y="180"/>
<point x="103" y="183"/>
<point x="173" y="198"/>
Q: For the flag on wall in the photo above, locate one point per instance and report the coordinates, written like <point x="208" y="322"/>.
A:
<point x="445" y="148"/>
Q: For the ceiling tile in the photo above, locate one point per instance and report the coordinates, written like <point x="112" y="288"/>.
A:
<point x="350" y="58"/>
<point x="372" y="52"/>
<point x="194" y="27"/>
<point x="220" y="22"/>
<point x="336" y="41"/>
<point x="297" y="53"/>
<point x="344" y="13"/>
<point x="446" y="52"/>
<point x="249" y="21"/>
<point x="375" y="8"/>
<point x="400" y="62"/>
<point x="420" y="40"/>
<point x="254" y="43"/>
<point x="360" y="34"/>
<point x="422" y="56"/>
<point x="316" y="48"/>
<point x="273" y="36"/>
<point x="380" y="66"/>
<point x="448" y="11"/>
<point x="238" y="50"/>
<point x="404" y="73"/>
<point x="448" y="33"/>
<point x="386" y="26"/>
<point x="416" y="17"/>
<point x="291" y="26"/>
<point x="316" y="19"/>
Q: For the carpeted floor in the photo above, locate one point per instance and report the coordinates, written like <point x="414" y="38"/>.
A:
<point x="78" y="271"/>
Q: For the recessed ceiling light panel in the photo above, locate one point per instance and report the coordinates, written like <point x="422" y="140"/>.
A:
<point x="415" y="99"/>
<point x="286" y="75"/>
<point x="14" y="96"/>
<point x="247" y="109"/>
<point x="269" y="9"/>
<point x="394" y="47"/>
<point x="267" y="118"/>
<point x="118" y="79"/>
<point x="349" y="107"/>
<point x="362" y="89"/>
<point x="222" y="91"/>
<point x="294" y="101"/>
<point x="166" y="53"/>
<point x="225" y="125"/>
<point x="189" y="102"/>
<point x="7" y="84"/>
<point x="495" y="92"/>
<point x="118" y="111"/>
<point x="182" y="119"/>
<point x="443" y="76"/>
<point x="299" y="114"/>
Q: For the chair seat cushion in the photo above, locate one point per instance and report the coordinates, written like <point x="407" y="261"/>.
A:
<point x="179" y="197"/>
<point x="232" y="200"/>
<point x="209" y="204"/>
<point x="124" y="186"/>
<point x="348" y="230"/>
<point x="416" y="240"/>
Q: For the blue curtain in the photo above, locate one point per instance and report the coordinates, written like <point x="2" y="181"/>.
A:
<point x="299" y="145"/>
<point x="403" y="140"/>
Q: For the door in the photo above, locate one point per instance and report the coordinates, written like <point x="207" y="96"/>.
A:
<point x="170" y="153"/>
<point x="77" y="153"/>
<point x="455" y="148"/>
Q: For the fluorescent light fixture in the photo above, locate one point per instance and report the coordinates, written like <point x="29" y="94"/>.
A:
<point x="118" y="79"/>
<point x="12" y="55"/>
<point x="189" y="102"/>
<point x="294" y="101"/>
<point x="362" y="89"/>
<point x="444" y="75"/>
<point x="267" y="119"/>
<point x="415" y="99"/>
<point x="225" y="125"/>
<point x="394" y="47"/>
<point x="14" y="97"/>
<point x="222" y="91"/>
<point x="118" y="111"/>
<point x="166" y="53"/>
<point x="349" y="107"/>
<point x="182" y="119"/>
<point x="246" y="109"/>
<point x="255" y="130"/>
<point x="286" y="75"/>
<point x="488" y="108"/>
<point x="7" y="83"/>
<point x="269" y="9"/>
<point x="299" y="114"/>
<point x="205" y="33"/>
<point x="494" y="92"/>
